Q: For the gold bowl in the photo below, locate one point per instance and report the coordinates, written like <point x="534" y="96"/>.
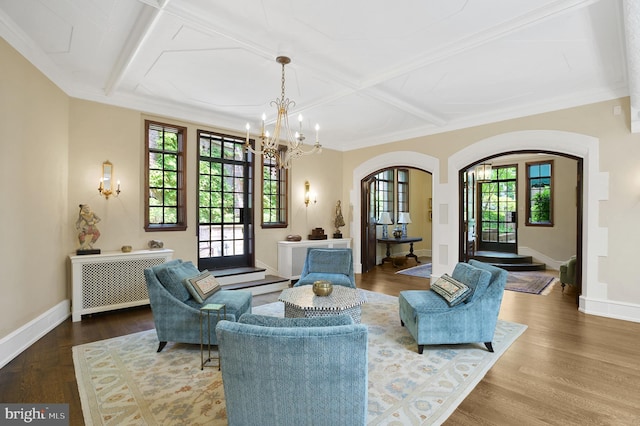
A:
<point x="126" y="249"/>
<point x="322" y="288"/>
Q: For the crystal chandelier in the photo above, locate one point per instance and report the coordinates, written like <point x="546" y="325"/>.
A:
<point x="269" y="145"/>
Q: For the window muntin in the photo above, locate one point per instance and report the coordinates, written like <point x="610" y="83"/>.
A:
<point x="403" y="190"/>
<point x="540" y="193"/>
<point x="165" y="177"/>
<point x="274" y="194"/>
<point x="224" y="201"/>
<point x="384" y="193"/>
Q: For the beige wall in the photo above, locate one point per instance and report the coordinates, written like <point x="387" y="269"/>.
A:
<point x="54" y="146"/>
<point x="550" y="245"/>
<point x="33" y="192"/>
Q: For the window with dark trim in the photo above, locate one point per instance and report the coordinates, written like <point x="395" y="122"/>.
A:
<point x="274" y="194"/>
<point x="165" y="177"/>
<point x="403" y="190"/>
<point x="384" y="191"/>
<point x="540" y="193"/>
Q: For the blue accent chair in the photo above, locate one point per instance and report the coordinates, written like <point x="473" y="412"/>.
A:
<point x="331" y="264"/>
<point x="176" y="313"/>
<point x="431" y="321"/>
<point x="294" y="371"/>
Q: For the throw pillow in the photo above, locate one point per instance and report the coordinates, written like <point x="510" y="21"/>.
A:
<point x="202" y="286"/>
<point x="453" y="291"/>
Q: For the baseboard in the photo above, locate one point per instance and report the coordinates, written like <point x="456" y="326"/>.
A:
<point x="17" y="341"/>
<point x="610" y="309"/>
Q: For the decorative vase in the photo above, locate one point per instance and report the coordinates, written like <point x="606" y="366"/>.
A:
<point x="322" y="288"/>
<point x="397" y="233"/>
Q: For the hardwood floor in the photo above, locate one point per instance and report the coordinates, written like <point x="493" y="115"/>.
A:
<point x="568" y="368"/>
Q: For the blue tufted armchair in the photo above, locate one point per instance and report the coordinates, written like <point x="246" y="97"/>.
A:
<point x="431" y="321"/>
<point x="331" y="264"/>
<point x="294" y="371"/>
<point x="176" y="313"/>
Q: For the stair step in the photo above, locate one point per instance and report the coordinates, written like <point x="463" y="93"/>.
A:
<point x="515" y="267"/>
<point x="503" y="258"/>
<point x="230" y="276"/>
<point x="268" y="284"/>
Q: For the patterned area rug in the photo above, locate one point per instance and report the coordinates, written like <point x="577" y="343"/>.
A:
<point x="523" y="282"/>
<point x="526" y="282"/>
<point x="423" y="271"/>
<point x="124" y="381"/>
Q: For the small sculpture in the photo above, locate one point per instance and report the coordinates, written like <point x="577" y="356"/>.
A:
<point x="338" y="221"/>
<point x="156" y="244"/>
<point x="86" y="224"/>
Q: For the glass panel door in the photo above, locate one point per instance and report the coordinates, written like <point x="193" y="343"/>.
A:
<point x="225" y="219"/>
<point x="497" y="211"/>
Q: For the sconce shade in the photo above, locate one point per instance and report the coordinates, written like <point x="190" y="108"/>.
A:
<point x="404" y="217"/>
<point x="384" y="219"/>
<point x="483" y="172"/>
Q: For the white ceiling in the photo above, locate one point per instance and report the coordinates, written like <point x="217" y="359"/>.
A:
<point x="369" y="71"/>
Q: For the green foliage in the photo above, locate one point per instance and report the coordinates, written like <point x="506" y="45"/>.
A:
<point x="541" y="206"/>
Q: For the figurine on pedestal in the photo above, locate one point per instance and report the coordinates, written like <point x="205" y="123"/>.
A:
<point x="338" y="221"/>
<point x="89" y="232"/>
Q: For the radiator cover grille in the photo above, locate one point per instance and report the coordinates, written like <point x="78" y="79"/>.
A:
<point x="115" y="282"/>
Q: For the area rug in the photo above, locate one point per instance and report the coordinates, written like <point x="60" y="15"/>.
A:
<point x="124" y="381"/>
<point x="423" y="271"/>
<point x="523" y="282"/>
<point x="526" y="282"/>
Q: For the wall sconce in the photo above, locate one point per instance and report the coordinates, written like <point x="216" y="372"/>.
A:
<point x="483" y="173"/>
<point x="308" y="195"/>
<point x="385" y="220"/>
<point x="106" y="181"/>
<point x="404" y="218"/>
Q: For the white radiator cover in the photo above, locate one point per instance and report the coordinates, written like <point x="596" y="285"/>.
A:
<point x="113" y="280"/>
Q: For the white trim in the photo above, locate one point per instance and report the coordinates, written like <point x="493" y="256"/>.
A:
<point x="17" y="341"/>
<point x="595" y="244"/>
<point x="392" y="159"/>
<point x="610" y="309"/>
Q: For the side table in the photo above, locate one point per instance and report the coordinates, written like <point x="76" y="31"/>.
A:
<point x="206" y="311"/>
<point x="403" y="240"/>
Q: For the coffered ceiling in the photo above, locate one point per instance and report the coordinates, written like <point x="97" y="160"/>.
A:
<point x="368" y="71"/>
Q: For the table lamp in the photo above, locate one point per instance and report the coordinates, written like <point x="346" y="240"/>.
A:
<point x="404" y="218"/>
<point x="385" y="219"/>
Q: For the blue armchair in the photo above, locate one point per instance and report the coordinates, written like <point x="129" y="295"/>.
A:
<point x="331" y="264"/>
<point x="294" y="371"/>
<point x="431" y="321"/>
<point x="176" y="313"/>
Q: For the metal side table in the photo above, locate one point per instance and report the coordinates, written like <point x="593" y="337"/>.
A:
<point x="206" y="311"/>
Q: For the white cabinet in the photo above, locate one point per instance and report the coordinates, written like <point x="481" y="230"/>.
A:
<point x="291" y="254"/>
<point x="111" y="280"/>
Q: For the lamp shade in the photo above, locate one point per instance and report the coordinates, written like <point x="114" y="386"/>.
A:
<point x="384" y="219"/>
<point x="403" y="217"/>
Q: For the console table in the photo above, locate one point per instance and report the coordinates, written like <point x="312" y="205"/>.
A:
<point x="111" y="280"/>
<point x="405" y="240"/>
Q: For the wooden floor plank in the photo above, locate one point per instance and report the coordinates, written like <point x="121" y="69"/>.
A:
<point x="568" y="368"/>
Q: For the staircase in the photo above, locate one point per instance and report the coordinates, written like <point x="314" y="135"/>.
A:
<point x="509" y="261"/>
<point x="249" y="278"/>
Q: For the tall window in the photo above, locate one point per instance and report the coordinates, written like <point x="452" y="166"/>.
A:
<point x="165" y="179"/>
<point x="384" y="191"/>
<point x="274" y="194"/>
<point x="391" y="193"/>
<point x="540" y="193"/>
<point x="403" y="190"/>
